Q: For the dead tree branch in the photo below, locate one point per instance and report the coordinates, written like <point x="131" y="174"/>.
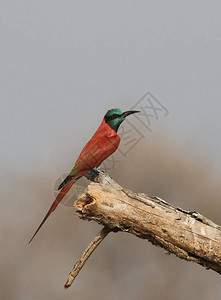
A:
<point x="188" y="235"/>
<point x="87" y="253"/>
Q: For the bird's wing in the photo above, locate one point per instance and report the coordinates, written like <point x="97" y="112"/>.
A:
<point x="95" y="152"/>
<point x="92" y="155"/>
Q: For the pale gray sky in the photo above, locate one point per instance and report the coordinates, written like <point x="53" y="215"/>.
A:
<point x="63" y="64"/>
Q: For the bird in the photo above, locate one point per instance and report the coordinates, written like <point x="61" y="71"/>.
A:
<point x="103" y="143"/>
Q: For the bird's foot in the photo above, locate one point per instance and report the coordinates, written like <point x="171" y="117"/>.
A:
<point x="92" y="174"/>
<point x="95" y="172"/>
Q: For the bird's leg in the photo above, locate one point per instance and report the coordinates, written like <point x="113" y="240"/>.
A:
<point x="93" y="174"/>
<point x="95" y="171"/>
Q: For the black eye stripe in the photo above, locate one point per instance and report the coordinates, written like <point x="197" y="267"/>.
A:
<point x="114" y="116"/>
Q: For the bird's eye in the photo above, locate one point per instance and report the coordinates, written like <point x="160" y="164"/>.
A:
<point x="112" y="117"/>
<point x="115" y="116"/>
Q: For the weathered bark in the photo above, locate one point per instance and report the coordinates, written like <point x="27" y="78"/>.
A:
<point x="188" y="235"/>
<point x="87" y="253"/>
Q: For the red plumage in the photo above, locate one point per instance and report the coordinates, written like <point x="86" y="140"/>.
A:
<point x="104" y="142"/>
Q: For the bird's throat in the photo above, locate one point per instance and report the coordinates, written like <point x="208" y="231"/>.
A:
<point x="114" y="124"/>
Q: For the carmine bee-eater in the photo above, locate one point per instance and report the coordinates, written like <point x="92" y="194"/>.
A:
<point x="104" y="142"/>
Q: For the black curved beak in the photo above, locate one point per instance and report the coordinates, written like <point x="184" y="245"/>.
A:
<point x="129" y="112"/>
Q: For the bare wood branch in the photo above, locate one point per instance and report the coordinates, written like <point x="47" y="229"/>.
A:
<point x="188" y="235"/>
<point x="87" y="253"/>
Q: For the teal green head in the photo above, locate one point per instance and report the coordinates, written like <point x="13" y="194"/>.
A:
<point x="114" y="117"/>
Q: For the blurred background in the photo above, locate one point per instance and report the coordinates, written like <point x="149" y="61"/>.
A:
<point x="63" y="64"/>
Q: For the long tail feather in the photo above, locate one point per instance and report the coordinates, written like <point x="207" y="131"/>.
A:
<point x="58" y="199"/>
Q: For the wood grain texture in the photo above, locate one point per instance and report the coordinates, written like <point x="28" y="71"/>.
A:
<point x="188" y="235"/>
